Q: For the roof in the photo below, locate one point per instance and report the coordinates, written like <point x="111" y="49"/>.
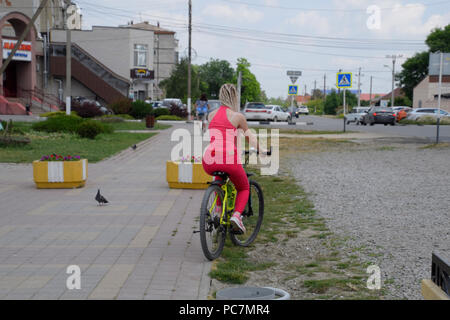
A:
<point x="147" y="26"/>
<point x="398" y="92"/>
<point x="366" y="96"/>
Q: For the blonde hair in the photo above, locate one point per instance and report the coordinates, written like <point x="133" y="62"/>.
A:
<point x="228" y="96"/>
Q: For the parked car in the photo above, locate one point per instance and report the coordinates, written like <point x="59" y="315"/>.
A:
<point x="301" y="110"/>
<point x="275" y="113"/>
<point x="355" y="115"/>
<point x="213" y="105"/>
<point x="81" y="100"/>
<point x="379" y="115"/>
<point x="259" y="111"/>
<point x="172" y="101"/>
<point x="431" y="112"/>
<point x="401" y="112"/>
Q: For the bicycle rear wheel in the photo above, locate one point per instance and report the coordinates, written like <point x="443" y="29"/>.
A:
<point x="252" y="217"/>
<point x="212" y="233"/>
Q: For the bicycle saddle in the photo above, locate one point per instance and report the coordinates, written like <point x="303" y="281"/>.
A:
<point x="220" y="174"/>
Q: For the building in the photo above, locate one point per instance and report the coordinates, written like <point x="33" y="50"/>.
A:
<point x="165" y="52"/>
<point x="425" y="94"/>
<point x="23" y="82"/>
<point x="108" y="63"/>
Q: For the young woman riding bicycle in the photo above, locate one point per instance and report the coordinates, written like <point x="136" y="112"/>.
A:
<point x="222" y="153"/>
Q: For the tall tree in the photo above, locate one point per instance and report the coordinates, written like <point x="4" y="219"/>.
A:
<point x="415" y="69"/>
<point x="176" y="85"/>
<point x="250" y="87"/>
<point x="213" y="74"/>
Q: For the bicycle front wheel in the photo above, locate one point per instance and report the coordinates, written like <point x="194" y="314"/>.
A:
<point x="252" y="217"/>
<point x="212" y="233"/>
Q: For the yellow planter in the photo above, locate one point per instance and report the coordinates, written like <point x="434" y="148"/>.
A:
<point x="60" y="174"/>
<point x="186" y="175"/>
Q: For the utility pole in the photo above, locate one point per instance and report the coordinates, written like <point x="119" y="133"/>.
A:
<point x="324" y="91"/>
<point x="359" y="87"/>
<point x="189" y="60"/>
<point x="23" y="36"/>
<point x="394" y="58"/>
<point x="370" y="103"/>
<point x="239" y="85"/>
<point x="68" y="65"/>
<point x="439" y="97"/>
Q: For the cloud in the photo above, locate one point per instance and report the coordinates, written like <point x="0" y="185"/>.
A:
<point x="311" y="21"/>
<point x="239" y="13"/>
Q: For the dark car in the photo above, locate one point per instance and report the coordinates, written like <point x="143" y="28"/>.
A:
<point x="379" y="115"/>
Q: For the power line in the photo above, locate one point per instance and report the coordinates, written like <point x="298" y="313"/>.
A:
<point x="327" y="9"/>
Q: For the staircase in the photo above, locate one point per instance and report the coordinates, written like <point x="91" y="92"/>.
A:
<point x="95" y="76"/>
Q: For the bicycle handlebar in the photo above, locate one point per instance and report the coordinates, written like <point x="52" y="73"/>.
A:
<point x="268" y="153"/>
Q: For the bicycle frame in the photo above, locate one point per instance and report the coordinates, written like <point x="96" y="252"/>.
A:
<point x="229" y="201"/>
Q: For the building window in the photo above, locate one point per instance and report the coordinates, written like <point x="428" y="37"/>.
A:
<point x="140" y="55"/>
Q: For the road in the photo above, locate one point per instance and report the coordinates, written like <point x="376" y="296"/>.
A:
<point x="330" y="124"/>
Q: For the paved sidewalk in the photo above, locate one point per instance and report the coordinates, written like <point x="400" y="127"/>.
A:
<point x="140" y="246"/>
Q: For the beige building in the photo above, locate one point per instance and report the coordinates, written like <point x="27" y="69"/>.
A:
<point x="121" y="50"/>
<point x="426" y="93"/>
<point x="165" y="52"/>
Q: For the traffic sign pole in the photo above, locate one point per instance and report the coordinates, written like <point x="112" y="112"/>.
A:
<point x="344" y="109"/>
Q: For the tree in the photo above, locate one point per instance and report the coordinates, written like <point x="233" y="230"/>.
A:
<point x="250" y="87"/>
<point x="439" y="39"/>
<point x="415" y="69"/>
<point x="213" y="75"/>
<point x="331" y="103"/>
<point x="176" y="85"/>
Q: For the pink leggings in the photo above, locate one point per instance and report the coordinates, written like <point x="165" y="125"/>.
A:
<point x="239" y="178"/>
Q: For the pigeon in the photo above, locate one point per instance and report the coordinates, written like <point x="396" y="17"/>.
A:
<point x="134" y="147"/>
<point x="100" y="199"/>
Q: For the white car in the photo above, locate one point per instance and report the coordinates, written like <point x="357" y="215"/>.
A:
<point x="422" y="112"/>
<point x="259" y="111"/>
<point x="355" y="114"/>
<point x="301" y="110"/>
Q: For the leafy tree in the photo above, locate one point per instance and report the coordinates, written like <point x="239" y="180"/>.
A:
<point x="439" y="39"/>
<point x="331" y="103"/>
<point x="415" y="69"/>
<point x="176" y="85"/>
<point x="214" y="74"/>
<point x="250" y="87"/>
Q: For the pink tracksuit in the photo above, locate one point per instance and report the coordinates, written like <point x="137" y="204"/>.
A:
<point x="222" y="155"/>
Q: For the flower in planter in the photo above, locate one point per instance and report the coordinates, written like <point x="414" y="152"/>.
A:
<point x="191" y="159"/>
<point x="56" y="157"/>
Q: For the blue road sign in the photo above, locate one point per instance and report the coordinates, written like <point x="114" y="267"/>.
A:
<point x="344" y="80"/>
<point x="293" y="90"/>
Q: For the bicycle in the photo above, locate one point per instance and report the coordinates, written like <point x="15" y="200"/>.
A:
<point x="217" y="208"/>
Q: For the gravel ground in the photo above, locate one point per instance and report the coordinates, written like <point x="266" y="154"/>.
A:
<point x="390" y="201"/>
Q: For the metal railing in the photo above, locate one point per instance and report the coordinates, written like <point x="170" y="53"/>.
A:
<point x="33" y="98"/>
<point x="440" y="273"/>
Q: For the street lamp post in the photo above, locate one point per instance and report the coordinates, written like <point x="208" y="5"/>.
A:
<point x="394" y="58"/>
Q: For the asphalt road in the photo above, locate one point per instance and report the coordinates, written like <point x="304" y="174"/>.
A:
<point x="330" y="124"/>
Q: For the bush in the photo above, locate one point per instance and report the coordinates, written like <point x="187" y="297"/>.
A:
<point x="87" y="109"/>
<point x="121" y="106"/>
<point x="169" y="117"/>
<point x="140" y="109"/>
<point x="56" y="114"/>
<point x="161" y="112"/>
<point x="177" y="111"/>
<point x="58" y="124"/>
<point x="110" y="119"/>
<point x="123" y="116"/>
<point x="90" y="129"/>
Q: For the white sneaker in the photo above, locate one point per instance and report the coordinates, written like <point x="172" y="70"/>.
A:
<point x="236" y="222"/>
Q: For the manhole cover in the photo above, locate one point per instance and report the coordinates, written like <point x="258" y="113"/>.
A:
<point x="245" y="293"/>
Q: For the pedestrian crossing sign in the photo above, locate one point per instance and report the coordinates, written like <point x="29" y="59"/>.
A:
<point x="293" y="90"/>
<point x="344" y="80"/>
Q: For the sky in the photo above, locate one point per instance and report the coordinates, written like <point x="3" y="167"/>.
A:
<point x="316" y="37"/>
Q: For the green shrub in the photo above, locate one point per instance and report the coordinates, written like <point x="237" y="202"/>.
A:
<point x="57" y="114"/>
<point x="59" y="123"/>
<point x="161" y="112"/>
<point x="169" y="117"/>
<point x="140" y="109"/>
<point x="123" y="116"/>
<point x="90" y="129"/>
<point x="111" y="119"/>
<point x="121" y="106"/>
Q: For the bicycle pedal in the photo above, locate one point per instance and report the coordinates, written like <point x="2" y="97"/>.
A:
<point x="196" y="231"/>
